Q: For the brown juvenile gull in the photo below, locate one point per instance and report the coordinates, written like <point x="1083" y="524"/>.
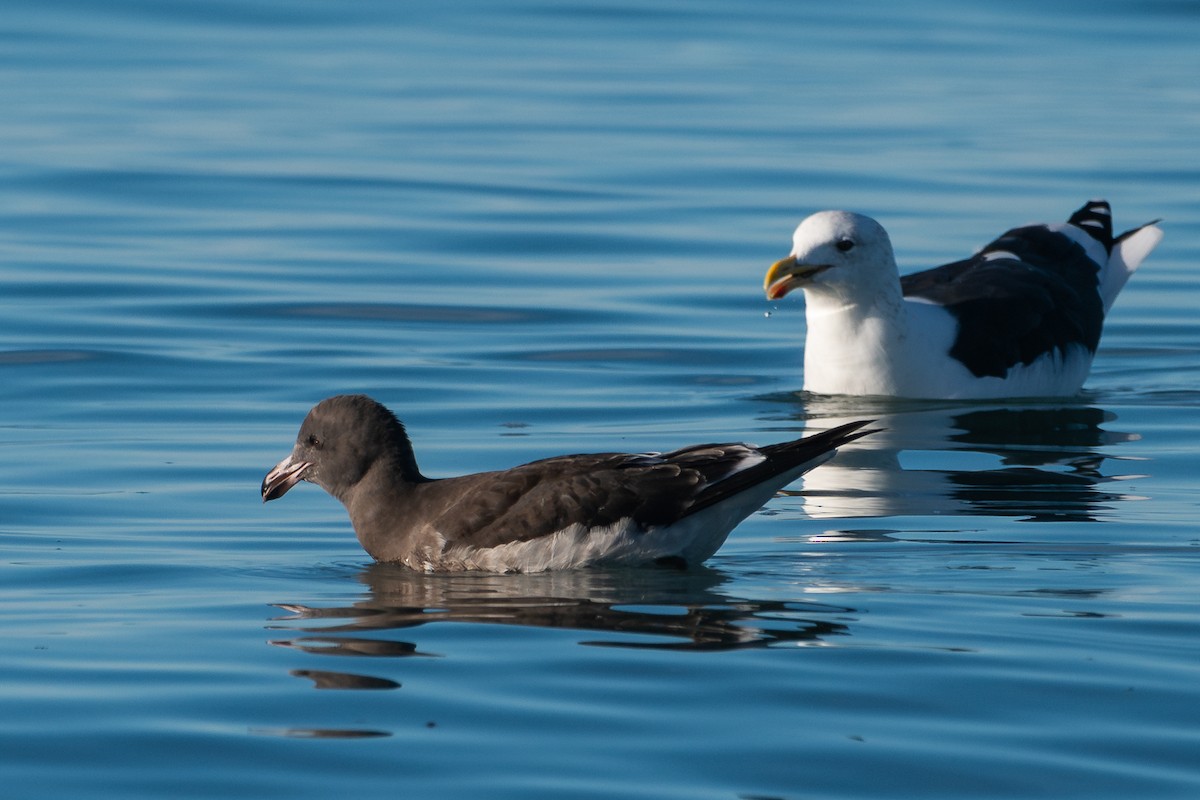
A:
<point x="1020" y="318"/>
<point x="672" y="508"/>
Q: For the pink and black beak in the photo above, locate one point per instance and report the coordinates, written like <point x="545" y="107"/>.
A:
<point x="282" y="477"/>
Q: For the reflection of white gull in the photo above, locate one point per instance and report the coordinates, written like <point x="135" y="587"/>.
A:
<point x="870" y="481"/>
<point x="1032" y="461"/>
<point x="1020" y="318"/>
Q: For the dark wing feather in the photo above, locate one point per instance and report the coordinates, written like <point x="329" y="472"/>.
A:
<point x="544" y="497"/>
<point x="1011" y="310"/>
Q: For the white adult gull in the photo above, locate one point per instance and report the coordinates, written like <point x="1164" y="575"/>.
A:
<point x="1020" y="318"/>
<point x="672" y="508"/>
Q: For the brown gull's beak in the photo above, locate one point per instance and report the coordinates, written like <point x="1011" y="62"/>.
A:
<point x="283" y="476"/>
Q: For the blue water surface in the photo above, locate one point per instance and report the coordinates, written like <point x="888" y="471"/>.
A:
<point x="538" y="228"/>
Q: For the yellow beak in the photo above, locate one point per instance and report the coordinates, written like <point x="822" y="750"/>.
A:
<point x="787" y="274"/>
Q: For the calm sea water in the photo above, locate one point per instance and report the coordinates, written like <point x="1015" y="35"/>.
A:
<point x="541" y="228"/>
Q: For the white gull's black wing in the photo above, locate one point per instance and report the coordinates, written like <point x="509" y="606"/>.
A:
<point x="1032" y="291"/>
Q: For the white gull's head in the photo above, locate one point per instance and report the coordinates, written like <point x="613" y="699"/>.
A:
<point x="840" y="254"/>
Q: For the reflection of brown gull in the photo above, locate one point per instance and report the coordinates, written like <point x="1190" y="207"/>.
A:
<point x="320" y="733"/>
<point x="1032" y="461"/>
<point x="324" y="679"/>
<point x="341" y="646"/>
<point x="633" y="608"/>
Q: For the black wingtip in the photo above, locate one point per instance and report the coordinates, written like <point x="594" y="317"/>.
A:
<point x="808" y="447"/>
<point x="850" y="431"/>
<point x="1095" y="219"/>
